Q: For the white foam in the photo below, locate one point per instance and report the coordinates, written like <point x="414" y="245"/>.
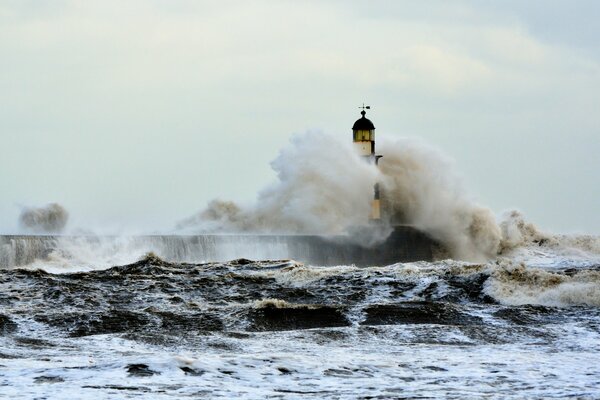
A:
<point x="518" y="284"/>
<point x="299" y="364"/>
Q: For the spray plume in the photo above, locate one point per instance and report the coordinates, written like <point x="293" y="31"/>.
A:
<point x="317" y="191"/>
<point x="324" y="187"/>
<point x="421" y="189"/>
<point x="49" y="219"/>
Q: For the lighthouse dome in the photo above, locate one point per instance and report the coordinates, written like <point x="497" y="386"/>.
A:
<point x="363" y="124"/>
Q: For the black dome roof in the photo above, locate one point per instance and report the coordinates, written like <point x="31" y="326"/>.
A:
<point x="363" y="124"/>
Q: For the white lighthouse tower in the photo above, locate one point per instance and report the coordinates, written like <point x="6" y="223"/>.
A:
<point x="363" y="136"/>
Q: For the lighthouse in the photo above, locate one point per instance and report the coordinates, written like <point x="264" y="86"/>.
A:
<point x="363" y="136"/>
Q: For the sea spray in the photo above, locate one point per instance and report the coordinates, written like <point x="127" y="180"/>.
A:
<point x="517" y="232"/>
<point x="49" y="219"/>
<point x="324" y="187"/>
<point x="421" y="188"/>
<point x="522" y="240"/>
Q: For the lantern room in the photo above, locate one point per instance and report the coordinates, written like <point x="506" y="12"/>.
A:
<point x="363" y="135"/>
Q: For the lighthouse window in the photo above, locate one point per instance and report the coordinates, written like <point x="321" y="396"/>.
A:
<point x="363" y="135"/>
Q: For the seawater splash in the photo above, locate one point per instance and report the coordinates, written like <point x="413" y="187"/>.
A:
<point x="325" y="192"/>
<point x="518" y="284"/>
<point x="422" y="189"/>
<point x="523" y="242"/>
<point x="318" y="191"/>
<point x="64" y="254"/>
<point x="49" y="219"/>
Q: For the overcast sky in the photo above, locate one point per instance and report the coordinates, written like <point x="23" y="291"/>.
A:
<point x="133" y="114"/>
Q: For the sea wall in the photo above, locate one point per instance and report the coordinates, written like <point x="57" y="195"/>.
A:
<point x="404" y="244"/>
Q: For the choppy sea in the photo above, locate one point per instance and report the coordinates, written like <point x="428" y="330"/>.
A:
<point x="524" y="326"/>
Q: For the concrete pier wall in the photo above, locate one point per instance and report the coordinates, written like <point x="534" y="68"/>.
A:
<point x="404" y="244"/>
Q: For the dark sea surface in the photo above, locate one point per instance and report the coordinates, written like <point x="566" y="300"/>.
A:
<point x="509" y="328"/>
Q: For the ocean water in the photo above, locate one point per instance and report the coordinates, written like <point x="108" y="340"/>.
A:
<point x="109" y="320"/>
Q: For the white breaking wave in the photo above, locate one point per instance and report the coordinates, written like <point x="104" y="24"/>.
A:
<point x="518" y="285"/>
<point x="66" y="254"/>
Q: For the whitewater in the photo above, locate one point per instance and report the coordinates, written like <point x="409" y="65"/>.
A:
<point x="215" y="308"/>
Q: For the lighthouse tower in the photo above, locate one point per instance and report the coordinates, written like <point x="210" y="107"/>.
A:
<point x="363" y="136"/>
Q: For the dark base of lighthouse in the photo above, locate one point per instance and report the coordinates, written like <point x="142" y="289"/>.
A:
<point x="404" y="244"/>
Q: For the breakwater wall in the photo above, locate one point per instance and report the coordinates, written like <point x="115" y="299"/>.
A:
<point x="404" y="244"/>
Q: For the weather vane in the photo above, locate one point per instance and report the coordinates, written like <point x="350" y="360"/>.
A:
<point x="365" y="107"/>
